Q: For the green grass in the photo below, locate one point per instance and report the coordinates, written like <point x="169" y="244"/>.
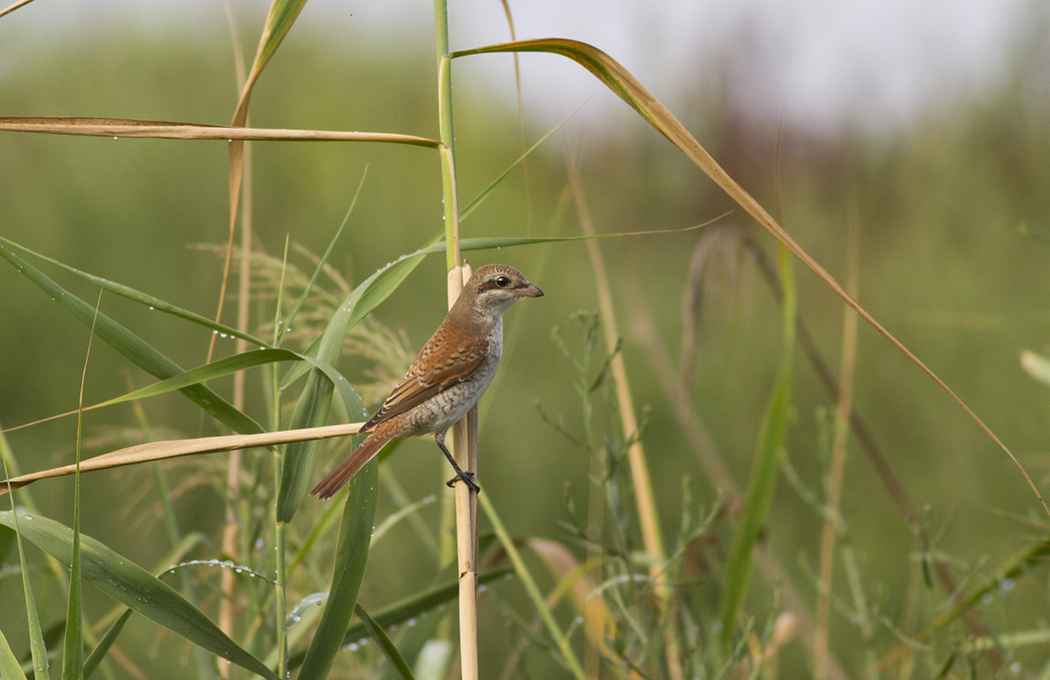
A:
<point x="950" y="219"/>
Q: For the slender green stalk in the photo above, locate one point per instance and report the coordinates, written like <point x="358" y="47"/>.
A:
<point x="73" y="650"/>
<point x="280" y="528"/>
<point x="464" y="434"/>
<point x="280" y="591"/>
<point x="447" y="134"/>
<point x="531" y="588"/>
<point x="645" y="499"/>
<point x="821" y="644"/>
<point x="594" y="612"/>
<point x="451" y="226"/>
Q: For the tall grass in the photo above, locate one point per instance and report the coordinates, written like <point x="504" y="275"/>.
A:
<point x="654" y="575"/>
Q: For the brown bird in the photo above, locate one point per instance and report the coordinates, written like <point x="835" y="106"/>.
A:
<point x="448" y="376"/>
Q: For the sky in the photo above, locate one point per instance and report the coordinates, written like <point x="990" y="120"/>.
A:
<point x="823" y="64"/>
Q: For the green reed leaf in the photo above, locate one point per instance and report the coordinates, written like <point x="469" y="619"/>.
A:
<point x="385" y="643"/>
<point x="351" y="555"/>
<point x="763" y="483"/>
<point x="137" y="350"/>
<point x="414" y="606"/>
<point x="134" y="587"/>
<point x="138" y="296"/>
<point x="9" y="666"/>
<point x="104" y="645"/>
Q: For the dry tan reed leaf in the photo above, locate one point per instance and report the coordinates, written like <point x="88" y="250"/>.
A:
<point x="142" y="453"/>
<point x="13" y="7"/>
<point x="618" y="79"/>
<point x="128" y="127"/>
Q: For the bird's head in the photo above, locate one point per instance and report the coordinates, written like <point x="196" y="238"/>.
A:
<point x="495" y="287"/>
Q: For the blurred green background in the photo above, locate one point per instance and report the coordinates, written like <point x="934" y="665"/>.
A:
<point x="954" y="241"/>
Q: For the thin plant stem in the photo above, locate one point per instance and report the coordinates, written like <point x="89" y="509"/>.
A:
<point x="821" y="647"/>
<point x="521" y="120"/>
<point x="171" y="523"/>
<point x="464" y="433"/>
<point x="594" y="611"/>
<point x="465" y="449"/>
<point x="280" y="589"/>
<point x="447" y="135"/>
<point x="230" y="531"/>
<point x="228" y="582"/>
<point x="866" y="439"/>
<point x="710" y="460"/>
<point x="280" y="528"/>
<point x="531" y="589"/>
<point x="648" y="517"/>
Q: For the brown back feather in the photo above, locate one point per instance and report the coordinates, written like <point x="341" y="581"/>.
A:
<point x="446" y="363"/>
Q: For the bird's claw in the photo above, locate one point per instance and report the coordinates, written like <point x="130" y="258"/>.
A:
<point x="467" y="477"/>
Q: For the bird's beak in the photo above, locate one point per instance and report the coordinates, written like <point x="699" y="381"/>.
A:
<point x="530" y="291"/>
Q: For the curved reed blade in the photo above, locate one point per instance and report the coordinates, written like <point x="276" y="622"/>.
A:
<point x="137" y="350"/>
<point x="624" y="85"/>
<point x="154" y="303"/>
<point x="283" y="14"/>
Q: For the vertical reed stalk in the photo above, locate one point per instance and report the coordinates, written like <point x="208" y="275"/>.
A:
<point x="821" y="647"/>
<point x="465" y="449"/>
<point x="230" y="532"/>
<point x="280" y="528"/>
<point x="531" y="589"/>
<point x="280" y="534"/>
<point x="464" y="433"/>
<point x="233" y="472"/>
<point x="594" y="610"/>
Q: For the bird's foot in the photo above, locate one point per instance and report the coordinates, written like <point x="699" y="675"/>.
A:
<point x="467" y="477"/>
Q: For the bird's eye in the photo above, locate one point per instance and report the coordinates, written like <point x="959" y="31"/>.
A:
<point x="503" y="282"/>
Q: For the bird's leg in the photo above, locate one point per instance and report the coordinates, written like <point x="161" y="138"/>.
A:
<point x="467" y="477"/>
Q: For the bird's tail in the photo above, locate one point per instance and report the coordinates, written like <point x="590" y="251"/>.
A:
<point x="364" y="452"/>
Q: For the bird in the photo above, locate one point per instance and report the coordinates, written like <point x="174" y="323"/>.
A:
<point x="448" y="376"/>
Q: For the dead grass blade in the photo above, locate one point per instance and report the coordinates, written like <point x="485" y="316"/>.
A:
<point x="162" y="450"/>
<point x="158" y="129"/>
<point x="12" y="8"/>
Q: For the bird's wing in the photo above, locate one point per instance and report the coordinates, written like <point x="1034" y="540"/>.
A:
<point x="439" y="366"/>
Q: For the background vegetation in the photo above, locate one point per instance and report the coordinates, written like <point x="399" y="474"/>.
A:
<point x="952" y="242"/>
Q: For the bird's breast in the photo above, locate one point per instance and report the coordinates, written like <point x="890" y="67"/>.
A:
<point x="448" y="406"/>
